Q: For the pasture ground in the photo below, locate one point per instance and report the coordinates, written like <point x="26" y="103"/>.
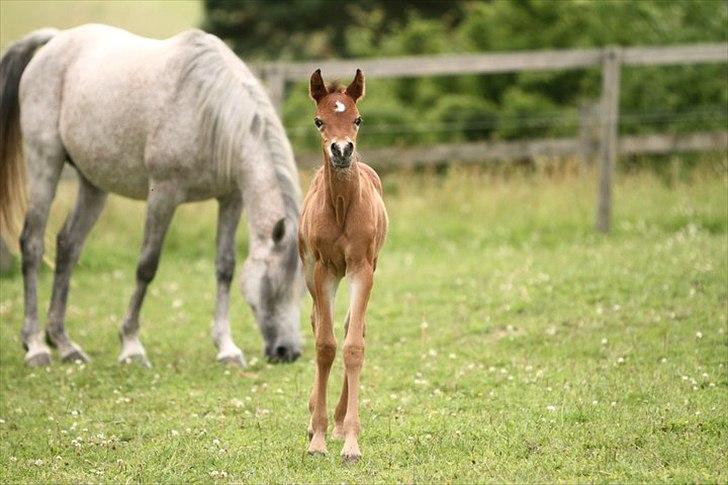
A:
<point x="156" y="18"/>
<point x="506" y="342"/>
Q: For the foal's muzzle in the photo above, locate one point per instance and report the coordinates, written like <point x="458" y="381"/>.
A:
<point x="341" y="154"/>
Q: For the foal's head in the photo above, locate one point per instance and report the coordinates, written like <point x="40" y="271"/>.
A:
<point x="337" y="117"/>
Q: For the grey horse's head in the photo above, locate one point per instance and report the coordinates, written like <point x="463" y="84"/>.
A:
<point x="272" y="285"/>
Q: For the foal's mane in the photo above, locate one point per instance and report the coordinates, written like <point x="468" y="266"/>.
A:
<point x="335" y="87"/>
<point x="236" y="115"/>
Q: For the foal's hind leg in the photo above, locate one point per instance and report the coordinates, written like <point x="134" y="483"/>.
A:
<point x="44" y="164"/>
<point x="163" y="200"/>
<point x="227" y="223"/>
<point x="89" y="203"/>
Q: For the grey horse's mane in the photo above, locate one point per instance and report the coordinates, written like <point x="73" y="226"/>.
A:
<point x="236" y="111"/>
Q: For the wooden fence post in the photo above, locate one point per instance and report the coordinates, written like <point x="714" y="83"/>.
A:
<point x="275" y="81"/>
<point x="608" y="145"/>
<point x="588" y="133"/>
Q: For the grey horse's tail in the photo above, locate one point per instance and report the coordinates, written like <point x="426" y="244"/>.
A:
<point x="12" y="168"/>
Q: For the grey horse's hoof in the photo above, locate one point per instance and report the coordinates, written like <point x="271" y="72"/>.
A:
<point x="41" y="359"/>
<point x="76" y="356"/>
<point x="139" y="359"/>
<point x="236" y="360"/>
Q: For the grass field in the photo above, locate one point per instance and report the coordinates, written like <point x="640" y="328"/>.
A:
<point x="155" y="18"/>
<point x="507" y="342"/>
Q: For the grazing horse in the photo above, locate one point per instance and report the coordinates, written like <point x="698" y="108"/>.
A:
<point x="343" y="226"/>
<point x="169" y="121"/>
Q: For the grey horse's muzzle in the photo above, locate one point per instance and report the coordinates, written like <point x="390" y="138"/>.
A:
<point x="282" y="352"/>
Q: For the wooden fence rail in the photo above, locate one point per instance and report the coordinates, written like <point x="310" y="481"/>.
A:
<point x="277" y="74"/>
<point x="487" y="151"/>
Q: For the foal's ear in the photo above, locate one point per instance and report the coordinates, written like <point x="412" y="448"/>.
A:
<point x="355" y="90"/>
<point x="279" y="230"/>
<point x="317" y="89"/>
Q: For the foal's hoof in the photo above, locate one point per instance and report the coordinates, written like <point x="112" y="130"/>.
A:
<point x="350" y="452"/>
<point x="38" y="359"/>
<point x="140" y="359"/>
<point x="76" y="355"/>
<point x="317" y="445"/>
<point x="350" y="459"/>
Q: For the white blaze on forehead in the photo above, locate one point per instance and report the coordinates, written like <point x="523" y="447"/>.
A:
<point x="339" y="108"/>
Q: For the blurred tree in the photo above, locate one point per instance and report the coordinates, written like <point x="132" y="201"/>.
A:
<point x="451" y="108"/>
<point x="312" y="28"/>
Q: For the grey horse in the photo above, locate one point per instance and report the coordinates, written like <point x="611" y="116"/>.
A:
<point x="169" y="121"/>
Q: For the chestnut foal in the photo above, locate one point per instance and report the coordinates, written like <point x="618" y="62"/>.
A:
<point x="343" y="226"/>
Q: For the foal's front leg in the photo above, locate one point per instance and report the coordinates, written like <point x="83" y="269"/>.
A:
<point x="163" y="200"/>
<point x="360" y="282"/>
<point x="324" y="289"/>
<point x="227" y="223"/>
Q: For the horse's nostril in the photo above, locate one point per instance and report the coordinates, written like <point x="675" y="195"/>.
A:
<point x="285" y="354"/>
<point x="349" y="149"/>
<point x="335" y="149"/>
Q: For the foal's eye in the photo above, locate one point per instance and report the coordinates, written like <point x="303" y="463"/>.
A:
<point x="318" y="122"/>
<point x="357" y="121"/>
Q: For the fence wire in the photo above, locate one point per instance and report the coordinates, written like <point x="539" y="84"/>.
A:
<point x="551" y="120"/>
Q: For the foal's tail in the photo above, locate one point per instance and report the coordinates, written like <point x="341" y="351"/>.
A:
<point x="12" y="168"/>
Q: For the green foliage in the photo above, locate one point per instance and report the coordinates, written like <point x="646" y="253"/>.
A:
<point x="509" y="106"/>
<point x="467" y="116"/>
<point x="506" y="342"/>
<point x="312" y="28"/>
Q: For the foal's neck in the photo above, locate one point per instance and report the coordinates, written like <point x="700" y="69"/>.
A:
<point x="342" y="186"/>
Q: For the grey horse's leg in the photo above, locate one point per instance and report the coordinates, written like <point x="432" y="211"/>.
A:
<point x="163" y="200"/>
<point x="44" y="165"/>
<point x="227" y="222"/>
<point x="89" y="204"/>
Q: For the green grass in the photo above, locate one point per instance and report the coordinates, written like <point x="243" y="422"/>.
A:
<point x="155" y="18"/>
<point x="507" y="342"/>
